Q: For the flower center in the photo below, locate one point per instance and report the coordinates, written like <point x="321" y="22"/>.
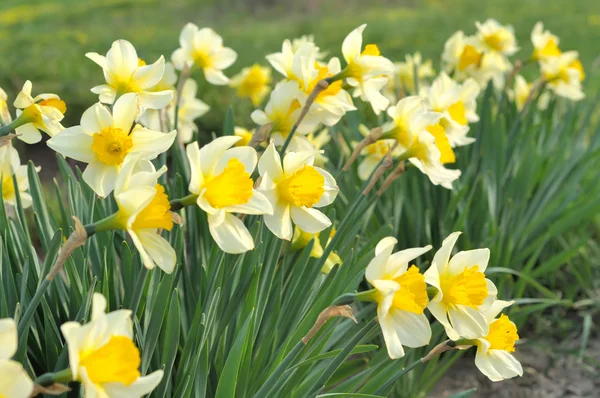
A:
<point x="115" y="362"/>
<point x="412" y="295"/>
<point x="457" y="112"/>
<point x="494" y="41"/>
<point x="202" y="58"/>
<point x="467" y="288"/>
<point x="284" y="121"/>
<point x="55" y="103"/>
<point x="232" y="187"/>
<point x="378" y="149"/>
<point x="371" y="49"/>
<point x="111" y="146"/>
<point x="8" y="188"/>
<point x="441" y="142"/>
<point x="254" y="82"/>
<point x="577" y="65"/>
<point x="303" y="188"/>
<point x="502" y="334"/>
<point x="469" y="56"/>
<point x="157" y="214"/>
<point x="403" y="135"/>
<point x="332" y="89"/>
<point x="550" y="50"/>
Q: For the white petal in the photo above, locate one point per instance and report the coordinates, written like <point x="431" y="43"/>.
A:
<point x="14" y="381"/>
<point x="259" y="117"/>
<point x="469" y="258"/>
<point x="309" y="220"/>
<point x="28" y="134"/>
<point x="258" y="204"/>
<point x="293" y="161"/>
<point x="196" y="176"/>
<point x="245" y="154"/>
<point x="211" y="153"/>
<point x="106" y="94"/>
<point x="140" y="388"/>
<point x="155" y="99"/>
<point x="96" y="118"/>
<point x="331" y="189"/>
<point x="216" y="77"/>
<point x="398" y="262"/>
<point x="8" y="338"/>
<point x="498" y="365"/>
<point x="159" y="250"/>
<point x="352" y="45"/>
<point x="468" y="322"/>
<point x="125" y="111"/>
<point x="412" y="329"/>
<point x="280" y="222"/>
<point x="100" y="60"/>
<point x="180" y="57"/>
<point x="231" y="234"/>
<point x="392" y="340"/>
<point x="270" y="163"/>
<point x="148" y="76"/>
<point x="100" y="177"/>
<point x="135" y="199"/>
<point x="223" y="59"/>
<point x="122" y="59"/>
<point x="73" y="142"/>
<point x="149" y="144"/>
<point x="442" y="257"/>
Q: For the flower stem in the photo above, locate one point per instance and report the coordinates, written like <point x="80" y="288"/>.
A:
<point x="178" y="204"/>
<point x="47" y="379"/>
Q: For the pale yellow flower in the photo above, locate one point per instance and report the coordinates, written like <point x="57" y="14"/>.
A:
<point x="252" y="82"/>
<point x="244" y="134"/>
<point x="496" y="37"/>
<point x="14" y="380"/>
<point x="564" y="74"/>
<point x="10" y="165"/>
<point x="301" y="239"/>
<point x="545" y="44"/>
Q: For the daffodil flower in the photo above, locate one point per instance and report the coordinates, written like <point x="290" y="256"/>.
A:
<point x="301" y="239"/>
<point x="126" y="73"/>
<point x="252" y="82"/>
<point x="366" y="70"/>
<point x="401" y="295"/>
<point x="458" y="104"/>
<point x="283" y="110"/>
<point x="244" y="134"/>
<point x="564" y="74"/>
<point x="103" y="356"/>
<point x="220" y="176"/>
<point x="373" y="154"/>
<point x="463" y="290"/>
<point x="404" y="75"/>
<point x="104" y="141"/>
<point x="42" y="112"/>
<point x="545" y="44"/>
<point x="203" y="48"/>
<point x="144" y="210"/>
<point x="295" y="190"/>
<point x="494" y="350"/>
<point x="14" y="380"/>
<point x="10" y="165"/>
<point x="5" y="117"/>
<point x="521" y="92"/>
<point x="497" y="37"/>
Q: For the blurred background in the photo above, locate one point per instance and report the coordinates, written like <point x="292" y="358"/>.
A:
<point x="45" y="40"/>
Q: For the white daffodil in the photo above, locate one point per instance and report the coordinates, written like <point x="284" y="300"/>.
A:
<point x="103" y="356"/>
<point x="10" y="165"/>
<point x="301" y="239"/>
<point x="295" y="190"/>
<point x="458" y="104"/>
<point x="366" y="70"/>
<point x="283" y="110"/>
<point x="5" y="117"/>
<point x="318" y="141"/>
<point x="144" y="210"/>
<point x="14" y="380"/>
<point x="220" y="176"/>
<point x="283" y="62"/>
<point x="494" y="351"/>
<point x="497" y="37"/>
<point x="42" y="112"/>
<point x="203" y="48"/>
<point x="545" y="44"/>
<point x="463" y="290"/>
<point x="104" y="141"/>
<point x="252" y="82"/>
<point x="404" y="75"/>
<point x="422" y="139"/>
<point x="126" y="73"/>
<point x="521" y="92"/>
<point x="401" y="295"/>
<point x="374" y="154"/>
<point x="564" y="74"/>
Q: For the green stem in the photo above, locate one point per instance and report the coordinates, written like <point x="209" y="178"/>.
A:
<point x="390" y="383"/>
<point x="47" y="379"/>
<point x="278" y="372"/>
<point x="178" y="204"/>
<point x="348" y="298"/>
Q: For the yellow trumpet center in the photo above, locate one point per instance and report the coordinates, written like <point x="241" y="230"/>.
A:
<point x="502" y="334"/>
<point x="458" y="112"/>
<point x="111" y="146"/>
<point x="55" y="103"/>
<point x="202" y="58"/>
<point x="441" y="142"/>
<point x="157" y="214"/>
<point x="303" y="188"/>
<point x="549" y="50"/>
<point x="8" y="188"/>
<point x="254" y="84"/>
<point x="141" y="62"/>
<point x="332" y="89"/>
<point x="245" y="134"/>
<point x="412" y="295"/>
<point x="494" y="41"/>
<point x="232" y="187"/>
<point x="577" y="65"/>
<point x="469" y="56"/>
<point x="115" y="362"/>
<point x="466" y="288"/>
<point x="371" y="49"/>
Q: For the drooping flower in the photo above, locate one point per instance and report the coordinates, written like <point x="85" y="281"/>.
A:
<point x="295" y="190"/>
<point x="463" y="290"/>
<point x="220" y="176"/>
<point x="126" y="73"/>
<point x="103" y="356"/>
<point x="283" y="110"/>
<point x="422" y="139"/>
<point x="301" y="239"/>
<point x="42" y="112"/>
<point x="404" y="75"/>
<point x="144" y="210"/>
<point x="203" y="48"/>
<point x="14" y="380"/>
<point x="545" y="44"/>
<point x="494" y="350"/>
<point x="458" y="104"/>
<point x="366" y="70"/>
<point x="252" y="82"/>
<point x="564" y="74"/>
<point x="496" y="37"/>
<point x="401" y="295"/>
<point x="104" y="140"/>
<point x="10" y="165"/>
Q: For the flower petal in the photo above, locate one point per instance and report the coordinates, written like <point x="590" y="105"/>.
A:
<point x="216" y="77"/>
<point x="14" y="380"/>
<point x="470" y="258"/>
<point x="96" y="118"/>
<point x="392" y="339"/>
<point x="468" y="322"/>
<point x="270" y="163"/>
<point x="155" y="99"/>
<point x="125" y="112"/>
<point x="74" y="143"/>
<point x="280" y="222"/>
<point x="8" y="338"/>
<point x="258" y="204"/>
<point x="100" y="177"/>
<point x="245" y="154"/>
<point x="352" y="45"/>
<point x="159" y="250"/>
<point x="149" y="144"/>
<point x="309" y="219"/>
<point x="148" y="76"/>
<point x="412" y="329"/>
<point x="231" y="234"/>
<point x="28" y="133"/>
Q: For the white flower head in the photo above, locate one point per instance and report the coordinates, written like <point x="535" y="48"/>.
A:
<point x="463" y="291"/>
<point x="545" y="44"/>
<point x="104" y="140"/>
<point x="564" y="74"/>
<point x="144" y="210"/>
<point x="295" y="189"/>
<point x="126" y="73"/>
<point x="42" y="112"/>
<point x="14" y="380"/>
<point x="252" y="82"/>
<point x="404" y="75"/>
<point x="10" y="165"/>
<point x="5" y="117"/>
<point x="496" y="37"/>
<point x="220" y="176"/>
<point x="103" y="356"/>
<point x="203" y="48"/>
<point x="401" y="297"/>
<point x="367" y="70"/>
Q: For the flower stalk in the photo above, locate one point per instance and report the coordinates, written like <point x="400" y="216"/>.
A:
<point x="374" y="135"/>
